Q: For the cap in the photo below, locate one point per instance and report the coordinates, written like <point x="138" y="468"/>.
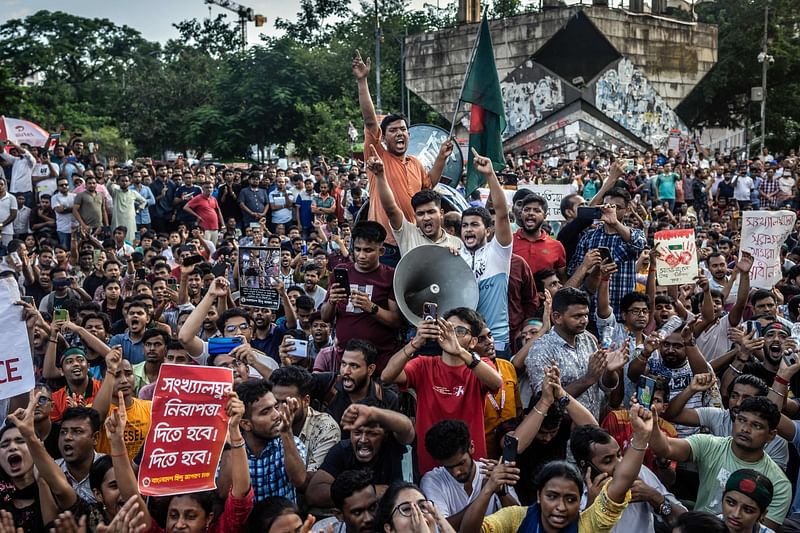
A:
<point x="753" y="484"/>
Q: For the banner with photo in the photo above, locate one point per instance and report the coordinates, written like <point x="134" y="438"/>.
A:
<point x="258" y="269"/>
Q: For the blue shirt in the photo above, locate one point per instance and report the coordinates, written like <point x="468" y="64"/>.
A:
<point x="143" y="216"/>
<point x="305" y="200"/>
<point x="132" y="351"/>
<point x="268" y="471"/>
<point x="254" y="200"/>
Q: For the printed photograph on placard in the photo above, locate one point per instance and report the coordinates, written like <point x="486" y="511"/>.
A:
<point x="258" y="270"/>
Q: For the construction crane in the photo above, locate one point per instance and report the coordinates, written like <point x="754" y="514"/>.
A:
<point x="246" y="15"/>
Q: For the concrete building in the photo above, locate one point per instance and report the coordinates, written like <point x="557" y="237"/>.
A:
<point x="573" y="77"/>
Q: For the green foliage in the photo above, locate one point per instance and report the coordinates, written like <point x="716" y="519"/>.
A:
<point x="505" y="8"/>
<point x="324" y="128"/>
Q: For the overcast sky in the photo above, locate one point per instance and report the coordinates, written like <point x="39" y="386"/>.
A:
<point x="154" y="18"/>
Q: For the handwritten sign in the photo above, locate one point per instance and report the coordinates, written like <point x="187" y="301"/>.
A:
<point x="763" y="234"/>
<point x="16" y="363"/>
<point x="187" y="432"/>
<point x="553" y="194"/>
<point x="677" y="260"/>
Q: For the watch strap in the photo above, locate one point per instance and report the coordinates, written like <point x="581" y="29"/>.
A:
<point x="476" y="360"/>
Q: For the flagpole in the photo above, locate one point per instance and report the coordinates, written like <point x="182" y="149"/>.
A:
<point x="466" y="74"/>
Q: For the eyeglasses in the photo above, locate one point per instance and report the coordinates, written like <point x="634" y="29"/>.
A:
<point x="461" y="331"/>
<point x="641" y="312"/>
<point x="244" y="326"/>
<point x="405" y="508"/>
<point x="44" y="400"/>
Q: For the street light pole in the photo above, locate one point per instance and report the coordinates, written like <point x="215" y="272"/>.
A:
<point x="377" y="60"/>
<point x="765" y="58"/>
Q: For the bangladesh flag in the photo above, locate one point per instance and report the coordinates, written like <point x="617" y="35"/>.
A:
<point x="487" y="118"/>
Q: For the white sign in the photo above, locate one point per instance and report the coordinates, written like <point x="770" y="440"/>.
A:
<point x="485" y="195"/>
<point x="553" y="194"/>
<point x="677" y="260"/>
<point x="16" y="363"/>
<point x="763" y="234"/>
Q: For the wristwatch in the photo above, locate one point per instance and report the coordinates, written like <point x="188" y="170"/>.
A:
<point x="374" y="309"/>
<point x="476" y="360"/>
<point x="665" y="509"/>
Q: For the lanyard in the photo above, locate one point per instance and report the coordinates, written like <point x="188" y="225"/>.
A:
<point x="499" y="408"/>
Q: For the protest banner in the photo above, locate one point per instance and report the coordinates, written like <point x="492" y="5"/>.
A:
<point x="16" y="363"/>
<point x="258" y="269"/>
<point x="484" y="191"/>
<point x="187" y="431"/>
<point x="677" y="260"/>
<point x="763" y="234"/>
<point x="553" y="194"/>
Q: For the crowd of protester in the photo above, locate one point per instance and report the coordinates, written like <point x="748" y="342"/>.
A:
<point x="519" y="415"/>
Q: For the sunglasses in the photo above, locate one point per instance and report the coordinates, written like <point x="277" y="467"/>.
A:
<point x="244" y="326"/>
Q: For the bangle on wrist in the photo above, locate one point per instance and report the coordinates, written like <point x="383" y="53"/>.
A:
<point x="647" y="445"/>
<point x="121" y="454"/>
<point x="781" y="394"/>
<point x="239" y="444"/>
<point x="783" y="381"/>
<point x="735" y="370"/>
<point x="538" y="412"/>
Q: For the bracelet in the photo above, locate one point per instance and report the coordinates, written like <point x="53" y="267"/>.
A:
<point x="123" y="454"/>
<point x="240" y="444"/>
<point x="54" y="341"/>
<point x="736" y="370"/>
<point x="782" y="381"/>
<point x="647" y="445"/>
<point x="782" y="395"/>
<point x="538" y="412"/>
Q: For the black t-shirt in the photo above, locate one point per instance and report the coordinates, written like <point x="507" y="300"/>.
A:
<point x="341" y="402"/>
<point x="386" y="469"/>
<point x="51" y="442"/>
<point x="91" y="283"/>
<point x="536" y="456"/>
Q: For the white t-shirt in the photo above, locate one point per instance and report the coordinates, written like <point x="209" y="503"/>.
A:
<point x="7" y="203"/>
<point x="64" y="221"/>
<point x="449" y="495"/>
<point x="741" y="191"/>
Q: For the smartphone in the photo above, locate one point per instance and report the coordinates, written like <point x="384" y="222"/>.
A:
<point x="173" y="284"/>
<point x="300" y="348"/>
<point x="15" y="257"/>
<point x="509" y="449"/>
<point x="141" y="273"/>
<point x="255" y="225"/>
<point x="60" y="314"/>
<point x="629" y="165"/>
<point x="220" y="269"/>
<point x="193" y="260"/>
<point x="342" y="279"/>
<point x="790" y="358"/>
<point x="753" y="325"/>
<point x="605" y="254"/>
<point x="644" y="391"/>
<point x="222" y="345"/>
<point x="96" y="255"/>
<point x="304" y="249"/>
<point x="430" y="311"/>
<point x="586" y="212"/>
<point x="137" y="236"/>
<point x="28" y="300"/>
<point x="594" y="470"/>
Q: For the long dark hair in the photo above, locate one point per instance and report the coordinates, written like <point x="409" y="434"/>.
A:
<point x="556" y="469"/>
<point x="389" y="500"/>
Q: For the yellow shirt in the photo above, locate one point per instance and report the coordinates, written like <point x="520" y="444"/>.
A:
<point x="509" y="406"/>
<point x="600" y="517"/>
<point x="135" y="430"/>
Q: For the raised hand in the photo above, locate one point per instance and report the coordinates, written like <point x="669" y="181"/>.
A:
<point x="355" y="416"/>
<point x="446" y="149"/>
<point x="7" y="523"/>
<point x="375" y="163"/>
<point x="65" y="523"/>
<point x="218" y="288"/>
<point x="235" y="410"/>
<point x="129" y="519"/>
<point x="287" y="411"/>
<point x="360" y="68"/>
<point x="744" y="264"/>
<point x="23" y="418"/>
<point x="597" y="364"/>
<point x="702" y="382"/>
<point x="481" y="164"/>
<point x="447" y="337"/>
<point x="642" y="422"/>
<point x="617" y="359"/>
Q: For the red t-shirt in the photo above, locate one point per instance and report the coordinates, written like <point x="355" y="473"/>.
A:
<point x="60" y="398"/>
<point x="353" y="323"/>
<point x="206" y="209"/>
<point x="446" y="393"/>
<point x="544" y="252"/>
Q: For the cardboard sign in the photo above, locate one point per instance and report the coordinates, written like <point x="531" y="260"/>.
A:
<point x="763" y="234"/>
<point x="258" y="268"/>
<point x="187" y="432"/>
<point x="677" y="262"/>
<point x="16" y="363"/>
<point x="553" y="194"/>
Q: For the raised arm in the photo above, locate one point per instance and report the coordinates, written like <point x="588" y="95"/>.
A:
<point x="357" y="415"/>
<point x="361" y="71"/>
<point x="237" y="456"/>
<point x="628" y="469"/>
<point x="668" y="448"/>
<point x="188" y="333"/>
<point x="743" y="266"/>
<point x="502" y="224"/>
<point x="676" y="411"/>
<point x="385" y="194"/>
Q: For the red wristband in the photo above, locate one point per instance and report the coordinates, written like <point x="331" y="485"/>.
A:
<point x="782" y="381"/>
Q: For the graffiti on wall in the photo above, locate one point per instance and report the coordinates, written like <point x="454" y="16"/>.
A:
<point x="529" y="94"/>
<point x="624" y="94"/>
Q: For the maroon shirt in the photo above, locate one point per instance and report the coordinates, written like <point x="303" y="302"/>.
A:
<point x="354" y="323"/>
<point x="523" y="298"/>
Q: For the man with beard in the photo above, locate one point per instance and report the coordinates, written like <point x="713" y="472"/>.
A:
<point x="320" y="335"/>
<point x="143" y="215"/>
<point x="117" y="393"/>
<point x="452" y="384"/>
<point x="268" y="335"/>
<point x="490" y="260"/>
<point x="760" y="355"/>
<point x="356" y="502"/>
<point x="163" y="190"/>
<point x="132" y="340"/>
<point x="155" y="351"/>
<point x="317" y="431"/>
<point x="755" y="425"/>
<point x="712" y="329"/>
<point x="286" y="273"/>
<point x="405" y="175"/>
<point x="367" y="309"/>
<point x="209" y="328"/>
<point x="532" y="243"/>
<point x="80" y="428"/>
<point x="456" y="482"/>
<point x="127" y="202"/>
<point x="80" y="388"/>
<point x="377" y="443"/>
<point x="227" y="195"/>
<point x="720" y="421"/>
<point x="253" y="201"/>
<point x="356" y="384"/>
<point x="719" y="280"/>
<point x="427" y="209"/>
<point x="275" y="456"/>
<point x="588" y="374"/>
<point x="624" y="244"/>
